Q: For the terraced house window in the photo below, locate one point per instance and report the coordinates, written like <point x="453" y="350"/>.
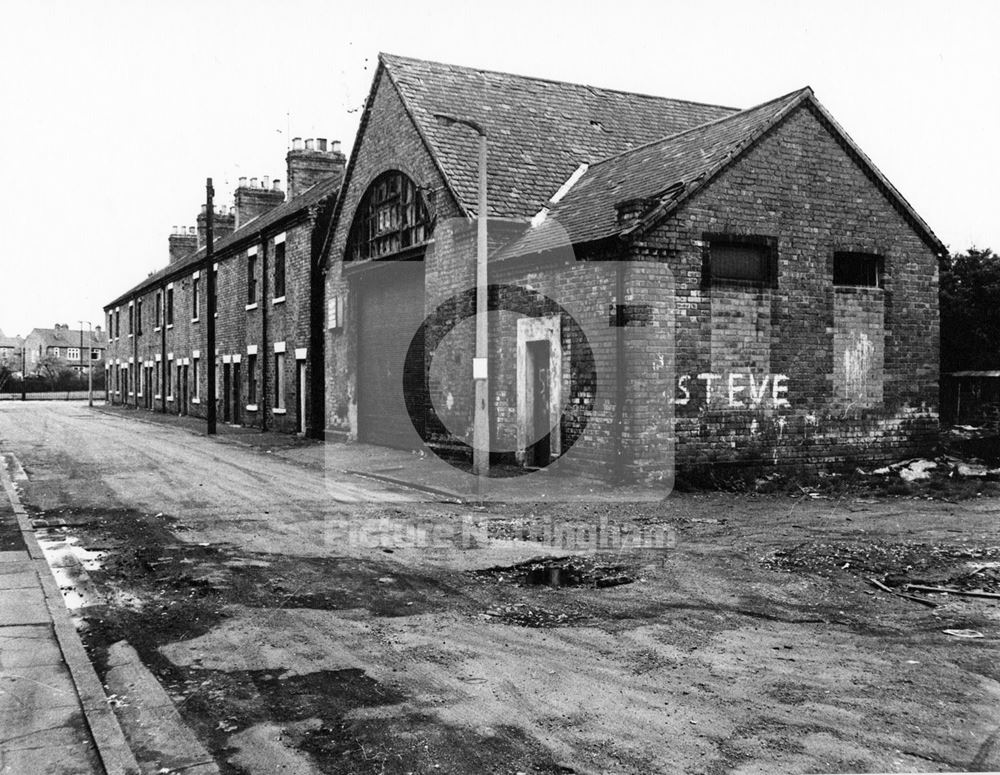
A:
<point x="279" y="269"/>
<point x="170" y="306"/>
<point x="194" y="298"/>
<point x="391" y="217"/>
<point x="251" y="277"/>
<point x="138" y="317"/>
<point x="159" y="310"/>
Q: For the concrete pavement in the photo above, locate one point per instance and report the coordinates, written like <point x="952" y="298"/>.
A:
<point x="424" y="476"/>
<point x="54" y="715"/>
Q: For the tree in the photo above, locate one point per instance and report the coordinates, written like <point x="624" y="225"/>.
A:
<point x="7" y="370"/>
<point x="970" y="311"/>
<point x="54" y="371"/>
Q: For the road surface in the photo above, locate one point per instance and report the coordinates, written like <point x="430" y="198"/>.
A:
<point x="290" y="641"/>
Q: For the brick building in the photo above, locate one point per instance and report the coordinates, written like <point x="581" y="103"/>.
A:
<point x="669" y="281"/>
<point x="269" y="362"/>
<point x="72" y="347"/>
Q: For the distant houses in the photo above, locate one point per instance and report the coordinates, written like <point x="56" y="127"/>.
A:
<point x="72" y="347"/>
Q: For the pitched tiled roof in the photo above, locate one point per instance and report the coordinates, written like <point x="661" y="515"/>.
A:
<point x="259" y="225"/>
<point x="539" y="131"/>
<point x="10" y="341"/>
<point x="665" y="170"/>
<point x="67" y="337"/>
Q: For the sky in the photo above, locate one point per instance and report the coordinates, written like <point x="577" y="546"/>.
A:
<point x="114" y="113"/>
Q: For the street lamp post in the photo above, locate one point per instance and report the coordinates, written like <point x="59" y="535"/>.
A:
<point x="90" y="358"/>
<point x="480" y="369"/>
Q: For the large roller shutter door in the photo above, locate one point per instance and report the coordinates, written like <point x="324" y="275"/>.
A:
<point x="391" y="311"/>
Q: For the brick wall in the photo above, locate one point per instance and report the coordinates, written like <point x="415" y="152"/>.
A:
<point x="390" y="142"/>
<point x="857" y="367"/>
<point x="238" y="330"/>
<point x="789" y="372"/>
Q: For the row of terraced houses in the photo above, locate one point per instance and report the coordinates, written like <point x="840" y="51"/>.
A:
<point x="670" y="282"/>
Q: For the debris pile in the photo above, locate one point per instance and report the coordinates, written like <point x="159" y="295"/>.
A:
<point x="910" y="571"/>
<point x="921" y="469"/>
<point x="560" y="572"/>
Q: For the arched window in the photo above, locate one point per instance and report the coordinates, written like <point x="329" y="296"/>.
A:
<point x="391" y="217"/>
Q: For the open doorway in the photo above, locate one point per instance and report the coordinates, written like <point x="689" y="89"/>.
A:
<point x="539" y="391"/>
<point x="300" y="382"/>
<point x="227" y="387"/>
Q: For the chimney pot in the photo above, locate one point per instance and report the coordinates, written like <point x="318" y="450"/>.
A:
<point x="253" y="182"/>
<point x="335" y="146"/>
<point x="310" y="144"/>
<point x="296" y="143"/>
<point x="242" y="182"/>
<point x="321" y="144"/>
<point x="204" y="208"/>
<point x="266" y="183"/>
<point x="277" y="184"/>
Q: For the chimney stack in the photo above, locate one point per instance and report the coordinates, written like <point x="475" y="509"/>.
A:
<point x="255" y="200"/>
<point x="310" y="164"/>
<point x="182" y="243"/>
<point x="223" y="224"/>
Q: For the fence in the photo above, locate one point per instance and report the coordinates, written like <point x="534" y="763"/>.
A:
<point x="52" y="395"/>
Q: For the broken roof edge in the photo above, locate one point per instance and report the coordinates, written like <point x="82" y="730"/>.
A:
<point x="663" y="208"/>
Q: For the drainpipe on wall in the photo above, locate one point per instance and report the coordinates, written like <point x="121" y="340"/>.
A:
<point x="163" y="350"/>
<point x="621" y="363"/>
<point x="262" y="401"/>
<point x="135" y="350"/>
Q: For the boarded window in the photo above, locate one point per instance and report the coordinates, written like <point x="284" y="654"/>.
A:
<point x="740" y="259"/>
<point x="858" y="269"/>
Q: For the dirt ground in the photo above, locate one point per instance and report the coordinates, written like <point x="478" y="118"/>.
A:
<point x="445" y="638"/>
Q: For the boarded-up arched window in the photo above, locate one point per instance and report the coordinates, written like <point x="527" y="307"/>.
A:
<point x="391" y="217"/>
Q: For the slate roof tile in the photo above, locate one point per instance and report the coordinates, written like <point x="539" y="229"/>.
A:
<point x="539" y="131"/>
<point x="665" y="168"/>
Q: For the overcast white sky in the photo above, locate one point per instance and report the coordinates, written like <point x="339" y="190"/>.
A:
<point x="114" y="113"/>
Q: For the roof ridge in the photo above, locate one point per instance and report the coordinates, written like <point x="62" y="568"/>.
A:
<point x="385" y="54"/>
<point x="805" y="90"/>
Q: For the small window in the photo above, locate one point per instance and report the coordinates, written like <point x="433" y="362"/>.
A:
<point x="740" y="260"/>
<point x="170" y="306"/>
<point x="73" y="354"/>
<point x="159" y="311"/>
<point x="194" y="298"/>
<point x="170" y="384"/>
<point x="118" y="323"/>
<point x="251" y="278"/>
<point x="138" y="317"/>
<point x="131" y="319"/>
<point x="279" y="270"/>
<point x="857" y="269"/>
<point x="55" y="352"/>
<point x="194" y="378"/>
